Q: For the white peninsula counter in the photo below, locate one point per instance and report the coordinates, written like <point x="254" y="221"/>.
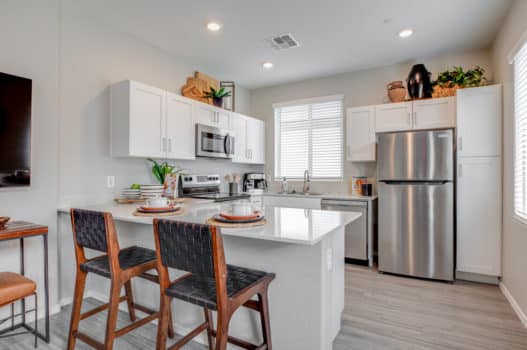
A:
<point x="303" y="247"/>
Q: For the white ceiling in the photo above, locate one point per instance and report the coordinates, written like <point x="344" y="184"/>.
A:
<point x="335" y="35"/>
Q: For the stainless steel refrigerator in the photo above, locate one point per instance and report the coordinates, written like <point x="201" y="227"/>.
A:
<point x="416" y="203"/>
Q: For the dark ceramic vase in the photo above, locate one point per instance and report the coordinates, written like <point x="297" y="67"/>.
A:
<point x="218" y="101"/>
<point x="418" y="83"/>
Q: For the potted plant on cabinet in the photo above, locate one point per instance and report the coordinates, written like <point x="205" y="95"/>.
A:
<point x="217" y="95"/>
<point x="449" y="81"/>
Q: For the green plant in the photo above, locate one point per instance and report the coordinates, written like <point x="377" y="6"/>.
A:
<point x="471" y="78"/>
<point x="161" y="170"/>
<point x="213" y="93"/>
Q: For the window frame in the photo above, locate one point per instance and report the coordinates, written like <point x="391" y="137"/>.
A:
<point x="519" y="48"/>
<point x="277" y="176"/>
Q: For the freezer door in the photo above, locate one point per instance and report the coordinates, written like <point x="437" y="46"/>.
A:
<point x="416" y="229"/>
<point x="416" y="156"/>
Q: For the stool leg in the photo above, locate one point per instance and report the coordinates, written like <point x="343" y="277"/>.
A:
<point x="162" y="327"/>
<point x="113" y="312"/>
<point x="171" y="332"/>
<point x="264" y="317"/>
<point x="222" y="335"/>
<point x="130" y="299"/>
<point x="80" y="283"/>
<point x="210" y="327"/>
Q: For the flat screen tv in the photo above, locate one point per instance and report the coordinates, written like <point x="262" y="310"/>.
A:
<point x="15" y="131"/>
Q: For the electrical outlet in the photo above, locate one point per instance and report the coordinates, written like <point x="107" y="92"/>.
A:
<point x="110" y="181"/>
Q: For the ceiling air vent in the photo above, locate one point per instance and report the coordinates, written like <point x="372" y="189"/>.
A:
<point x="283" y="41"/>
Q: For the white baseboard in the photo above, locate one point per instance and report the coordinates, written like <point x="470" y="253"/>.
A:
<point x="515" y="306"/>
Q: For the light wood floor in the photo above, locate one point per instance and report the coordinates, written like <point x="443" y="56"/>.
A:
<point x="382" y="312"/>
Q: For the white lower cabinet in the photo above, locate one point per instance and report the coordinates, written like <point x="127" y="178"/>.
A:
<point x="479" y="215"/>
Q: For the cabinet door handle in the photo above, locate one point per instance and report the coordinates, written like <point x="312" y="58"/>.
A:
<point x="415" y="119"/>
<point x="349" y="151"/>
<point x="459" y="170"/>
<point x="169" y="144"/>
<point x="410" y="119"/>
<point x="460" y="143"/>
<point x="163" y="144"/>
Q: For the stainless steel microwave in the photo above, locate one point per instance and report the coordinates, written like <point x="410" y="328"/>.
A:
<point x="212" y="142"/>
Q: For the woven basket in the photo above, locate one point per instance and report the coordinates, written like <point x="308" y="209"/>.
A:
<point x="396" y="91"/>
<point x="445" y="91"/>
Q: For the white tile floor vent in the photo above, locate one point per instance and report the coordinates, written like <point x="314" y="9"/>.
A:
<point x="283" y="42"/>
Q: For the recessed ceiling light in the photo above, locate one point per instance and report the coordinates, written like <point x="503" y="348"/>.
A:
<point x="213" y="26"/>
<point x="267" y="65"/>
<point x="405" y="33"/>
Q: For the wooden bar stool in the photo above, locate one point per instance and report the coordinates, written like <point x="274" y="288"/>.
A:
<point x="209" y="283"/>
<point x="96" y="230"/>
<point x="15" y="287"/>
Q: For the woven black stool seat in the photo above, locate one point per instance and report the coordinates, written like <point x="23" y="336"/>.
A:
<point x="128" y="258"/>
<point x="202" y="290"/>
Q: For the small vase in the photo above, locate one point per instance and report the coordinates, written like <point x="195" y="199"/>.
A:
<point x="217" y="101"/>
<point x="419" y="85"/>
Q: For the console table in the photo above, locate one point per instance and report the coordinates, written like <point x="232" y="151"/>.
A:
<point x="21" y="230"/>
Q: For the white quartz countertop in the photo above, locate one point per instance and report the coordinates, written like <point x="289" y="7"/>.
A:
<point x="288" y="225"/>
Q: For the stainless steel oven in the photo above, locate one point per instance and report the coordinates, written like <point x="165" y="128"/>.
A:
<point x="212" y="142"/>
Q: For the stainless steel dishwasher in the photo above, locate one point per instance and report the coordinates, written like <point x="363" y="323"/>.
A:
<point x="356" y="232"/>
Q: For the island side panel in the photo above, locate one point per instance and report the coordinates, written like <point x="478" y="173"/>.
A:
<point x="306" y="298"/>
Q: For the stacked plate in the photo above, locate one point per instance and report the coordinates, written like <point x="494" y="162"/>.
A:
<point x="132" y="193"/>
<point x="151" y="191"/>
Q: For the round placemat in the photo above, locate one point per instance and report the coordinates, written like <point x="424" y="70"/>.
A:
<point x="214" y="222"/>
<point x="153" y="215"/>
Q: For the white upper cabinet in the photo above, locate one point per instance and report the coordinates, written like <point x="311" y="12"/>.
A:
<point x="249" y="139"/>
<point x="393" y="117"/>
<point x="434" y="113"/>
<point x="137" y="120"/>
<point x="148" y="122"/>
<point x="239" y="129"/>
<point x="479" y="121"/>
<point x="360" y="134"/>
<point x="416" y="115"/>
<point x="210" y="115"/>
<point x="256" y="141"/>
<point x="180" y="135"/>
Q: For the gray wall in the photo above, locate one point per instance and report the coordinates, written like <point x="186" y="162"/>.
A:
<point x="72" y="61"/>
<point x="514" y="257"/>
<point x="360" y="88"/>
<point x="29" y="41"/>
<point x="94" y="56"/>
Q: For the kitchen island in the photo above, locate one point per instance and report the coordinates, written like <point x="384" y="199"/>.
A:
<point x="303" y="247"/>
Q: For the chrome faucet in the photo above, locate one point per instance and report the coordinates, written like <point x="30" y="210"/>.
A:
<point x="307" y="181"/>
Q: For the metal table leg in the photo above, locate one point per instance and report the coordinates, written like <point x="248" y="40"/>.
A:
<point x="46" y="285"/>
<point x="22" y="272"/>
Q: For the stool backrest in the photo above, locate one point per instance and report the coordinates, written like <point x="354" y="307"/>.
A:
<point x="193" y="248"/>
<point x="94" y="230"/>
<point x="89" y="228"/>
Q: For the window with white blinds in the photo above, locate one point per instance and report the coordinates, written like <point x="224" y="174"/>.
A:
<point x="520" y="110"/>
<point x="308" y="135"/>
